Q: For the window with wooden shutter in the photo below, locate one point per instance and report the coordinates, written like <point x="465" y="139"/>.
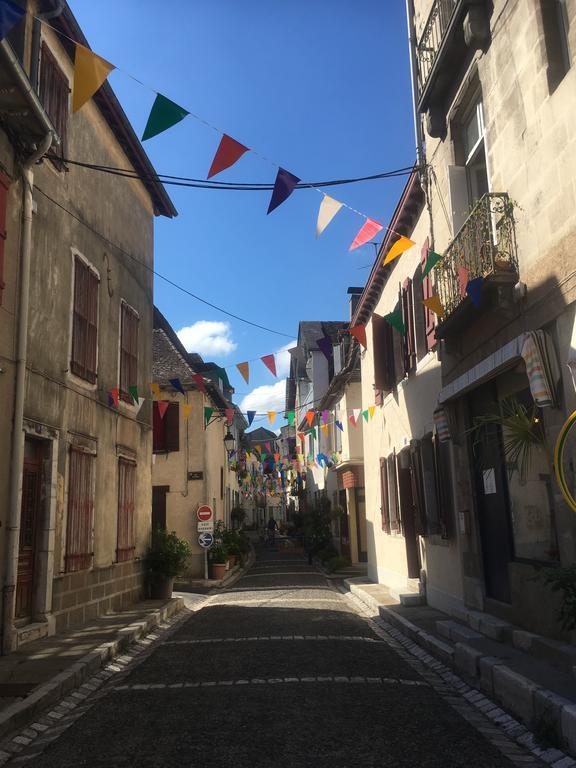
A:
<point x="409" y="337"/>
<point x="4" y="186"/>
<point x="383" y="352"/>
<point x="417" y="488"/>
<point x="393" y="505"/>
<point x="125" y="547"/>
<point x="166" y="430"/>
<point x="80" y="523"/>
<point x="430" y="485"/>
<point x="53" y="89"/>
<point x="427" y="292"/>
<point x="384" y="509"/>
<point x="397" y="349"/>
<point x="444" y="487"/>
<point x="128" y="352"/>
<point x="84" y="322"/>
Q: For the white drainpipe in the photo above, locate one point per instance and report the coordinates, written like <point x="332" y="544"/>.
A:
<point x="13" y="523"/>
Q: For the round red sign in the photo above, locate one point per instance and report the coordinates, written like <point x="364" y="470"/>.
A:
<point x="204" y="513"/>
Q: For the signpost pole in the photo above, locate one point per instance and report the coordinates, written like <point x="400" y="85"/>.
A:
<point x="205" y="563"/>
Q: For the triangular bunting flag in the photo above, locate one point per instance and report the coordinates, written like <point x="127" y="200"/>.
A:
<point x="328" y="209"/>
<point x="435" y="305"/>
<point x="229" y="152"/>
<point x="139" y="404"/>
<point x="366" y="233"/>
<point x="90" y="71"/>
<point x="359" y="332"/>
<point x="271" y="417"/>
<point x="473" y="290"/>
<point x="162" y="407"/>
<point x="229" y="416"/>
<point x="463" y="275"/>
<point x="431" y="260"/>
<point x="396" y="321"/>
<point x="310" y="417"/>
<point x="263" y="455"/>
<point x="366" y="416"/>
<point x="325" y="346"/>
<point x="250" y="416"/>
<point x="10" y="15"/>
<point x="199" y="381"/>
<point x="134" y="394"/>
<point x="276" y="457"/>
<point x="207" y="414"/>
<point x="163" y="115"/>
<point x="324" y="428"/>
<point x="244" y="369"/>
<point x="371" y="410"/>
<point x="301" y="436"/>
<point x="115" y="393"/>
<point x="401" y="245"/>
<point x="325" y="416"/>
<point x="268" y="447"/>
<point x="314" y="433"/>
<point x="352" y="420"/>
<point x="356" y="412"/>
<point x="155" y="389"/>
<point x="186" y="410"/>
<point x="339" y="425"/>
<point x="177" y="384"/>
<point x="290" y="418"/>
<point x="270" y="363"/>
<point x="283" y="188"/>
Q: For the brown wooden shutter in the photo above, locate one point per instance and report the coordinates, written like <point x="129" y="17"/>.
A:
<point x="126" y="507"/>
<point x="384" y="509"/>
<point x="444" y="487"/>
<point x="397" y="349"/>
<point x="158" y="429"/>
<point x="128" y="352"/>
<point x="383" y="351"/>
<point x="393" y="505"/>
<point x="427" y="292"/>
<point x="417" y="488"/>
<point x="80" y="523"/>
<point x="429" y="485"/>
<point x="408" y="339"/>
<point x="54" y="92"/>
<point x="4" y="186"/>
<point x="172" y="427"/>
<point x="84" y="322"/>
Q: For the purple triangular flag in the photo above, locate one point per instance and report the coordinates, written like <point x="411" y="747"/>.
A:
<point x="283" y="188"/>
<point x="250" y="415"/>
<point x="325" y="346"/>
<point x="177" y="384"/>
<point x="473" y="289"/>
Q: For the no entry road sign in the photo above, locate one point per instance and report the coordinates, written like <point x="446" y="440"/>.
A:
<point x="206" y="540"/>
<point x="204" y="513"/>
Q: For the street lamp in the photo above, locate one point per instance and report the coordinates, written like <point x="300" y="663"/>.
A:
<point x="229" y="441"/>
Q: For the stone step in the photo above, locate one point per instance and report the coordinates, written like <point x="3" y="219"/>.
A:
<point x="456" y="632"/>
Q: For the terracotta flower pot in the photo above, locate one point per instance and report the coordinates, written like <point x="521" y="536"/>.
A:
<point x="218" y="570"/>
<point x="161" y="589"/>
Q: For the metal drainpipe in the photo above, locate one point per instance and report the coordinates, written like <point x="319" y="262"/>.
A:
<point x="13" y="527"/>
<point x="414" y="78"/>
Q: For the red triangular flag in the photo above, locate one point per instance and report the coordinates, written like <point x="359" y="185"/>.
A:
<point x="115" y="394"/>
<point x="359" y="332"/>
<point x="366" y="233"/>
<point x="162" y="407"/>
<point x="301" y="436"/>
<point x="199" y="380"/>
<point x="310" y="417"/>
<point x="270" y="363"/>
<point x="229" y="151"/>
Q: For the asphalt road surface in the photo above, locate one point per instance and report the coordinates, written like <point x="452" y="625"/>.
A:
<point x="279" y="670"/>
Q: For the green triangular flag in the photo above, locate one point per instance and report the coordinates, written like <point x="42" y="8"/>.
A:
<point x="395" y="320"/>
<point x="134" y="394"/>
<point x="313" y="432"/>
<point x="263" y="456"/>
<point x="431" y="260"/>
<point x="208" y="414"/>
<point x="163" y="115"/>
<point x="365" y="414"/>
<point x="290" y="417"/>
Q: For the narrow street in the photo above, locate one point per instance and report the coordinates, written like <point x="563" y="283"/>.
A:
<point x="278" y="670"/>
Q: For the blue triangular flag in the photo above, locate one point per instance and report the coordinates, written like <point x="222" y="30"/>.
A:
<point x="10" y="15"/>
<point x="250" y="415"/>
<point x="473" y="289"/>
<point x="177" y="384"/>
<point x="339" y="425"/>
<point x="319" y="458"/>
<point x="325" y="346"/>
<point x="283" y="188"/>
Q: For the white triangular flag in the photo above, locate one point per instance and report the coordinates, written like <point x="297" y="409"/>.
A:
<point x="328" y="209"/>
<point x="141" y="401"/>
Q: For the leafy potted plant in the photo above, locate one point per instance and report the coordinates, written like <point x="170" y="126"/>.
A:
<point x="166" y="559"/>
<point x="231" y="540"/>
<point x="218" y="561"/>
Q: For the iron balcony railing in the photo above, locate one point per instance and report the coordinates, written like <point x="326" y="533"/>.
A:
<point x="432" y="36"/>
<point x="485" y="246"/>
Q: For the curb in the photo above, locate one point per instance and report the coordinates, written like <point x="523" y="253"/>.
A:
<point x="232" y="578"/>
<point x="18" y="714"/>
<point x="524" y="698"/>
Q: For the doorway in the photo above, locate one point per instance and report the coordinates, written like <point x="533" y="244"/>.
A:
<point x="31" y="513"/>
<point x="159" y="506"/>
<point x="408" y="511"/>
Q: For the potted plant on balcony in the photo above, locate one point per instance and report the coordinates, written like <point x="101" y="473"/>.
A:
<point x="166" y="559"/>
<point x="218" y="561"/>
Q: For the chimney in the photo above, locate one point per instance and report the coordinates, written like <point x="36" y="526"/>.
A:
<point x="354" y="294"/>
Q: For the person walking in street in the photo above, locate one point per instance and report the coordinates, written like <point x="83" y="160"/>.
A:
<point x="272" y="528"/>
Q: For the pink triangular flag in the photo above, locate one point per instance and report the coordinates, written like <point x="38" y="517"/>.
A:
<point x="352" y="420"/>
<point x="366" y="233"/>
<point x="229" y="151"/>
<point x="270" y="363"/>
<point x="162" y="407"/>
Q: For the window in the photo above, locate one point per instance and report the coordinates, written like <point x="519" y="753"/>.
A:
<point x="434" y="486"/>
<point x="84" y="322"/>
<point x="128" y="351"/>
<point x="475" y="154"/>
<point x="383" y="346"/>
<point x="555" y="24"/>
<point x="166" y="429"/>
<point x="428" y="328"/>
<point x="53" y="92"/>
<point x="4" y="186"/>
<point x="393" y="505"/>
<point x="408" y="339"/>
<point x="80" y="523"/>
<point x="126" y="498"/>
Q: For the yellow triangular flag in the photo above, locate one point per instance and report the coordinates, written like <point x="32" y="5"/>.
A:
<point x="399" y="247"/>
<point x="90" y="71"/>
<point x="244" y="369"/>
<point x="155" y="389"/>
<point x="186" y="410"/>
<point x="371" y="409"/>
<point x="328" y="209"/>
<point x="271" y="416"/>
<point x="324" y="428"/>
<point x="435" y="305"/>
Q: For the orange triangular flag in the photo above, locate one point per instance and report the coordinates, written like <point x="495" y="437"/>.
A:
<point x="270" y="363"/>
<point x="366" y="233"/>
<point x="186" y="410"/>
<point x="162" y="407"/>
<point x="155" y="389"/>
<point x="90" y="71"/>
<point x="310" y="417"/>
<point x="359" y="332"/>
<point x="435" y="305"/>
<point x="399" y="247"/>
<point x="324" y="428"/>
<point x="244" y="369"/>
<point x="272" y="417"/>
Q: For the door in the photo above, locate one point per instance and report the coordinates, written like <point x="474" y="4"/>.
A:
<point x="361" y="525"/>
<point x="159" y="506"/>
<point x="408" y="513"/>
<point x="493" y="506"/>
<point x="30" y="517"/>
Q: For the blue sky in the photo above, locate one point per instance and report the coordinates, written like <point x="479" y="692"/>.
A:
<point x="322" y="88"/>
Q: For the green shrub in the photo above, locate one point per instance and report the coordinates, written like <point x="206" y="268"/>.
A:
<point x="336" y="563"/>
<point x="563" y="580"/>
<point x="167" y="555"/>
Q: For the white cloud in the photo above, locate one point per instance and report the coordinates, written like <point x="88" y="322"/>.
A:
<point x="270" y="397"/>
<point x="283" y="359"/>
<point x="207" y="337"/>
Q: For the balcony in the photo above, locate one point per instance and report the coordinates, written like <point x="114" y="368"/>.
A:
<point x="453" y="31"/>
<point x="486" y="247"/>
